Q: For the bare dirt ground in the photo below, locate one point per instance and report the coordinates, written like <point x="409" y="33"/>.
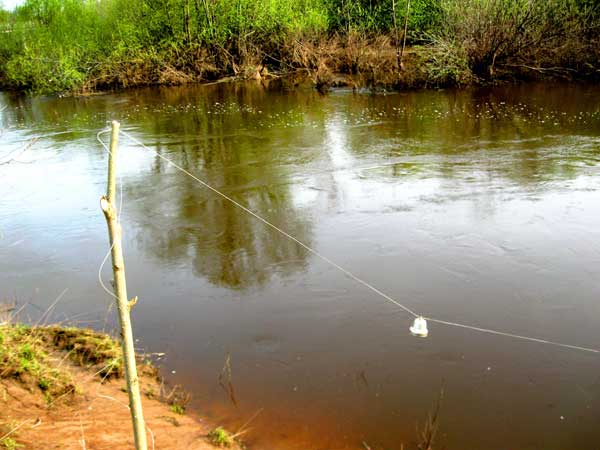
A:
<point x="98" y="418"/>
<point x="92" y="413"/>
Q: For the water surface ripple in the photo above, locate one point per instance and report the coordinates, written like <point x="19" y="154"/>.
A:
<point x="477" y="206"/>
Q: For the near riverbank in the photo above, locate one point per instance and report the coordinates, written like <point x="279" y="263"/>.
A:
<point x="62" y="388"/>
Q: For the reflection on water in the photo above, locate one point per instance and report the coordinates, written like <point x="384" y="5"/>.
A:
<point x="207" y="232"/>
<point x="478" y="206"/>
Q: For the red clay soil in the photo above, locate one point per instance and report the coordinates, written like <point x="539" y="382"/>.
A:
<point x="95" y="418"/>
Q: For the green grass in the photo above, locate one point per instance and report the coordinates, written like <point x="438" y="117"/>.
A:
<point x="178" y="409"/>
<point x="34" y="356"/>
<point x="221" y="438"/>
<point x="9" y="443"/>
<point x="24" y="356"/>
<point x="88" y="348"/>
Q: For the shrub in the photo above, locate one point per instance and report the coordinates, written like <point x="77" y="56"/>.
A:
<point x="497" y="35"/>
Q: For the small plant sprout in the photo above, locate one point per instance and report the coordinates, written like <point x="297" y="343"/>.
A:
<point x="221" y="438"/>
<point x="9" y="443"/>
<point x="178" y="409"/>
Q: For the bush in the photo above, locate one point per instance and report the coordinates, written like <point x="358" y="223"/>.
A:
<point x="495" y="36"/>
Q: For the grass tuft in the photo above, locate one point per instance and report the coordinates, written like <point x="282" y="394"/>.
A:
<point x="9" y="443"/>
<point x="88" y="348"/>
<point x="221" y="437"/>
<point x="178" y="409"/>
<point x="34" y="356"/>
<point x="24" y="356"/>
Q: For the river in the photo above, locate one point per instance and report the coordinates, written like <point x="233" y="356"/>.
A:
<point x="477" y="206"/>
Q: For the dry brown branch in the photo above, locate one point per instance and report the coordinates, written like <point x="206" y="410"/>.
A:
<point x="225" y="380"/>
<point x="14" y="430"/>
<point x="244" y="428"/>
<point x="82" y="440"/>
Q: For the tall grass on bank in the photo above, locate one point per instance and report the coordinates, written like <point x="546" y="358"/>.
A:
<point x="64" y="45"/>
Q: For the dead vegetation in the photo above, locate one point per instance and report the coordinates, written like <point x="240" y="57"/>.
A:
<point x="352" y="60"/>
<point x="176" y="397"/>
<point x="87" y="348"/>
<point x="357" y="61"/>
<point x="497" y="39"/>
<point x="428" y="433"/>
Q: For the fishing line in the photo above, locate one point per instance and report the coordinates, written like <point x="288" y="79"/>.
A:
<point x="516" y="336"/>
<point x="275" y="227"/>
<point x="419" y="319"/>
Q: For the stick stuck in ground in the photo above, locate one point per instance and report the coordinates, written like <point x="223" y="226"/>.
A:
<point x="109" y="209"/>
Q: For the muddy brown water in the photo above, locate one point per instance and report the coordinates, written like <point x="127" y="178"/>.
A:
<point x="478" y="206"/>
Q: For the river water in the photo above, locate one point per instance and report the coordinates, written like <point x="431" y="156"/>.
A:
<point x="477" y="206"/>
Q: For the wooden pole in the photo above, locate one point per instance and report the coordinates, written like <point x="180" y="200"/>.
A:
<point x="107" y="203"/>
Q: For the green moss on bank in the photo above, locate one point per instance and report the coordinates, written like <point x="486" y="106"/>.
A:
<point x="88" y="348"/>
<point x="35" y="356"/>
